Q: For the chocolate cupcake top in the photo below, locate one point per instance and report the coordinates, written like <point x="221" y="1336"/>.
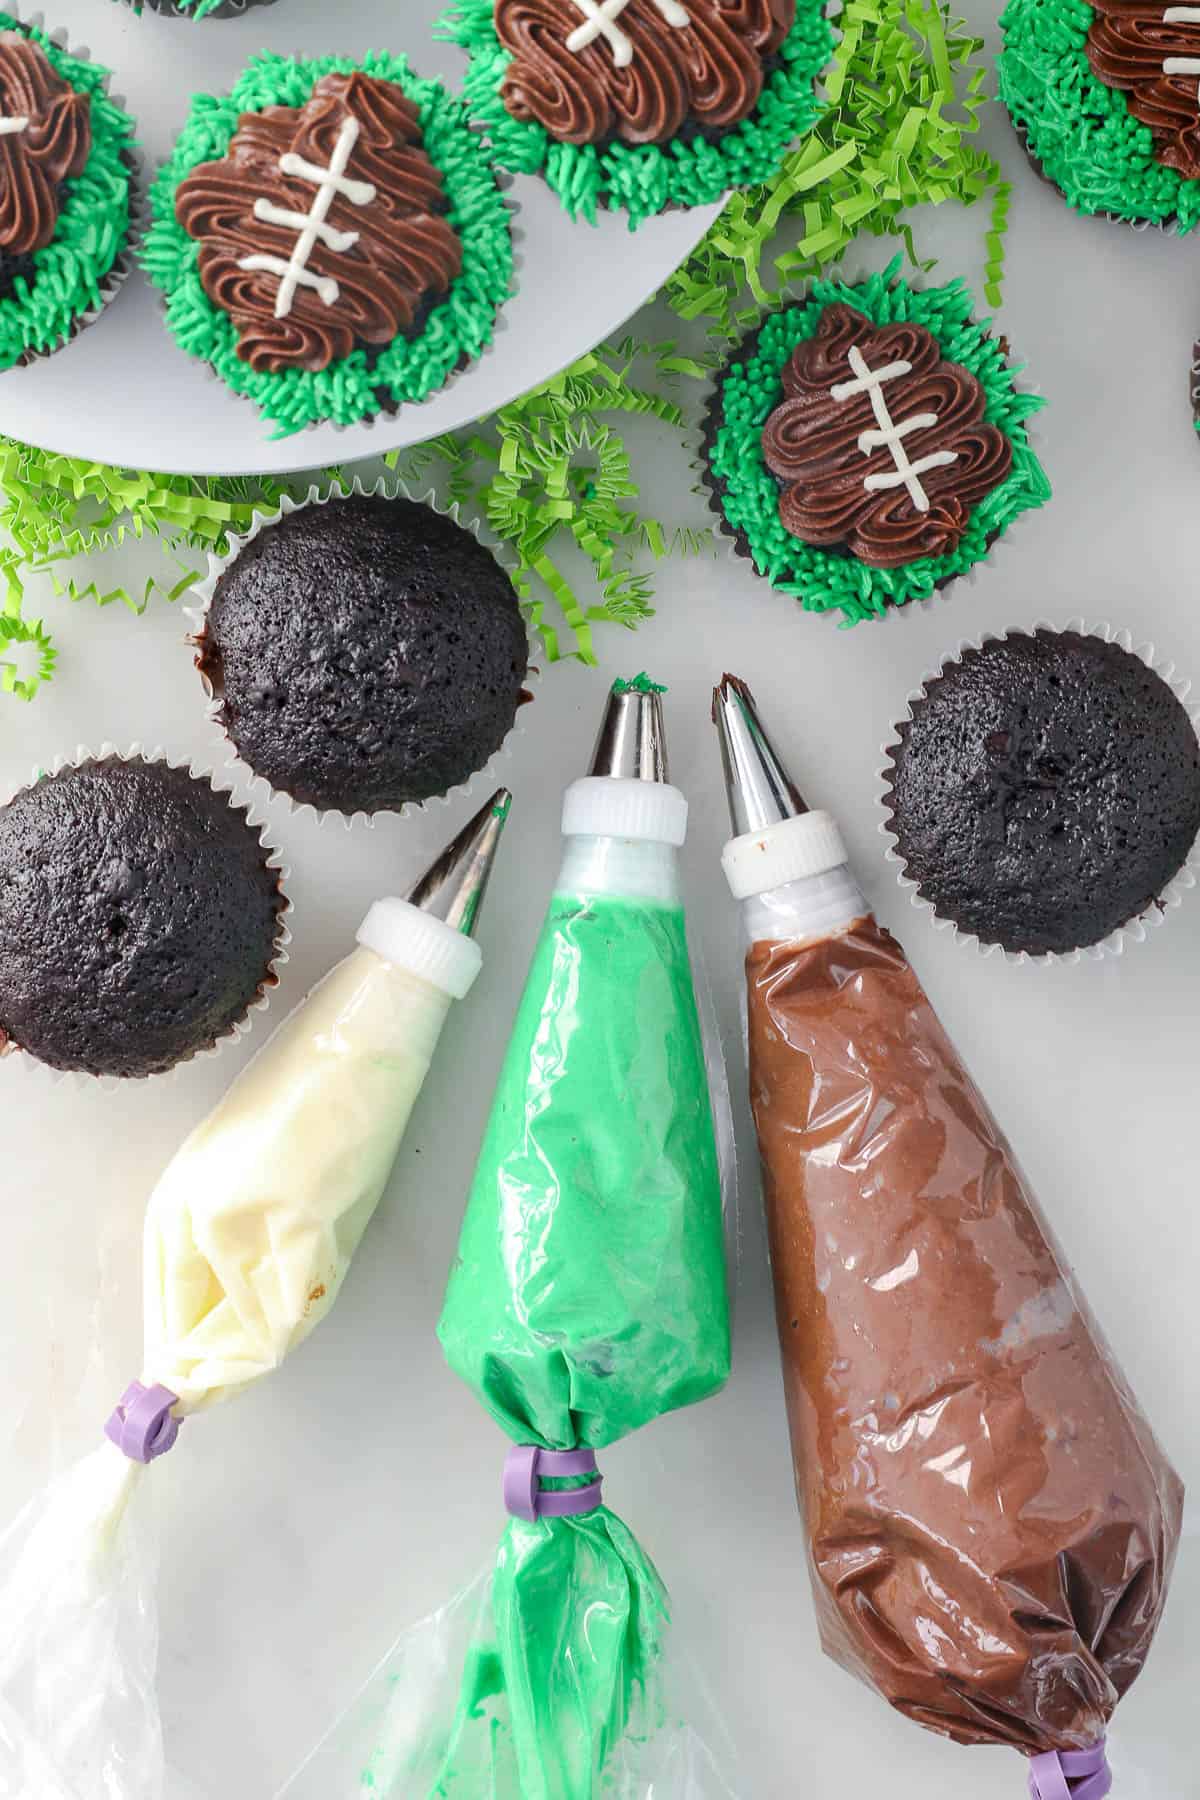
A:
<point x="1106" y="94"/>
<point x="367" y="653"/>
<point x="139" y="917"/>
<point x="642" y="105"/>
<point x="1045" y="790"/>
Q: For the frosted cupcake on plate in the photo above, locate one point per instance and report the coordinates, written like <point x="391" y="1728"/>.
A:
<point x="331" y="238"/>
<point x="67" y="168"/>
<point x="642" y="105"/>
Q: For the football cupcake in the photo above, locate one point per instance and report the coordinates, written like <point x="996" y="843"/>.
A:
<point x="1106" y="97"/>
<point x="365" y="654"/>
<point x="66" y="180"/>
<point x="1043" y="794"/>
<point x="141" y="917"/>
<point x="641" y="105"/>
<point x="330" y="237"/>
<point x="867" y="445"/>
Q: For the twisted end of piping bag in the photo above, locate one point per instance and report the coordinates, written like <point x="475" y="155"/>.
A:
<point x="1071" y="1775"/>
<point x="454" y="885"/>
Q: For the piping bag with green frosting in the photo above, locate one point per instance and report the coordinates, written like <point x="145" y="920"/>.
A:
<point x="249" y="1234"/>
<point x="588" y="1297"/>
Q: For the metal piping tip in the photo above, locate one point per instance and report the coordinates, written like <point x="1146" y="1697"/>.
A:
<point x="632" y="743"/>
<point x="453" y="887"/>
<point x="760" y="790"/>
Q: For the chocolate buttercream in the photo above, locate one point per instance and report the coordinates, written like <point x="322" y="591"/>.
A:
<point x="352" y="161"/>
<point x="991" y="1522"/>
<point x="643" y="72"/>
<point x="1128" y="46"/>
<point x="842" y="482"/>
<point x="45" y="139"/>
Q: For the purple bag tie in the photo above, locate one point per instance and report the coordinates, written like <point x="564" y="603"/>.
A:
<point x="142" y="1423"/>
<point x="1071" y="1775"/>
<point x="524" y="1467"/>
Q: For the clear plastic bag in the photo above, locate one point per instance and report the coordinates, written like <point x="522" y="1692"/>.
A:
<point x="400" y="1731"/>
<point x="588" y="1297"/>
<point x="248" y="1238"/>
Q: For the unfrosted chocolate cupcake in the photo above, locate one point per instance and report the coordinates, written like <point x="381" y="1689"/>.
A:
<point x="368" y="654"/>
<point x="140" y="916"/>
<point x="1045" y="790"/>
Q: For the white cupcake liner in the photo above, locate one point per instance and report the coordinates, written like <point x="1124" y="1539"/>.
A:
<point x="1134" y="930"/>
<point x="388" y="486"/>
<point x="139" y="197"/>
<point x="733" y="540"/>
<point x="15" y="1056"/>
<point x="504" y="180"/>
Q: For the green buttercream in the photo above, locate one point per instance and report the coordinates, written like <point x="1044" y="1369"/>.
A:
<point x="1079" y="131"/>
<point x="641" y="684"/>
<point x="749" y="389"/>
<point x="587" y="1298"/>
<point x="93" y="226"/>
<point x="459" y="328"/>
<point x="643" y="179"/>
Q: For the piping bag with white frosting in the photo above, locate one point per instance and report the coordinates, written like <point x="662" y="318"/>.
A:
<point x="248" y="1237"/>
<point x="587" y="1298"/>
<point x="991" y="1524"/>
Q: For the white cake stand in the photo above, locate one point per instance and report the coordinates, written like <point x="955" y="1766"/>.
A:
<point x="123" y="392"/>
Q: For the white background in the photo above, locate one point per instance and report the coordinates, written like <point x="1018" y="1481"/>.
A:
<point x="311" y="1520"/>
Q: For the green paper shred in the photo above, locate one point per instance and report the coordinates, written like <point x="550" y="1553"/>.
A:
<point x="31" y="632"/>
<point x="905" y="93"/>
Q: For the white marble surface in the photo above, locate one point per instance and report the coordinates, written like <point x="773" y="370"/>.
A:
<point x="312" y="1519"/>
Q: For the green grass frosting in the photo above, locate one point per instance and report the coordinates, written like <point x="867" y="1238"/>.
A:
<point x="93" y="225"/>
<point x="458" y="328"/>
<point x="1079" y="131"/>
<point x="749" y="389"/>
<point x="643" y="179"/>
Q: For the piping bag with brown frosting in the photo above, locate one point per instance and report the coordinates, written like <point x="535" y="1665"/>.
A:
<point x="991" y="1523"/>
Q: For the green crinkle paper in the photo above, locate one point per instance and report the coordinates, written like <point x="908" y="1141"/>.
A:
<point x="644" y="179"/>
<point x="905" y="92"/>
<point x="1080" y="132"/>
<point x="749" y="389"/>
<point x="458" y="329"/>
<point x="93" y="225"/>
